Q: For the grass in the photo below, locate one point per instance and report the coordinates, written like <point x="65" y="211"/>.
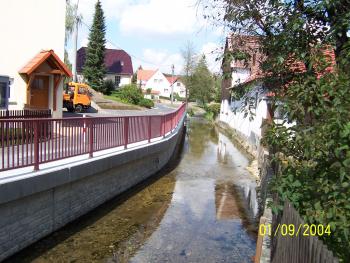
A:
<point x="120" y="105"/>
<point x="117" y="99"/>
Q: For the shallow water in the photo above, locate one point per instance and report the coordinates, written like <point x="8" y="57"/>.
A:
<point x="200" y="208"/>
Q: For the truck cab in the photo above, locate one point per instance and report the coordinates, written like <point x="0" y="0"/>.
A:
<point x="76" y="97"/>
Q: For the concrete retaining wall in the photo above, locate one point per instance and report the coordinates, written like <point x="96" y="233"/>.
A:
<point x="35" y="206"/>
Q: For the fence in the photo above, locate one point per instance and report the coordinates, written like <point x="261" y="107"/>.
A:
<point x="297" y="247"/>
<point x="20" y="114"/>
<point x="30" y="142"/>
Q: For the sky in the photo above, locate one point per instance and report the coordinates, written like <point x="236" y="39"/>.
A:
<point x="153" y="32"/>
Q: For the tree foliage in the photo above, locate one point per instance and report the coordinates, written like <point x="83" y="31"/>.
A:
<point x="313" y="151"/>
<point x="188" y="55"/>
<point x="94" y="69"/>
<point x="202" y="82"/>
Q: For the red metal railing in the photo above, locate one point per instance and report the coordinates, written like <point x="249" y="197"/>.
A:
<point x="31" y="142"/>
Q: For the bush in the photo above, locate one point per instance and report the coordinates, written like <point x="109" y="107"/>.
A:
<point x="190" y="112"/>
<point x="214" y="108"/>
<point x="146" y="103"/>
<point x="209" y="115"/>
<point x="108" y="87"/>
<point x="178" y="98"/>
<point x="130" y="93"/>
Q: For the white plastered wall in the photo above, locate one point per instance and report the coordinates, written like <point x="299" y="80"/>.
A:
<point x="250" y="128"/>
<point x="27" y="27"/>
<point x="162" y="86"/>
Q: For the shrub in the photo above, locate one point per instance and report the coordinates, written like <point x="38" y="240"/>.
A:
<point x="108" y="87"/>
<point x="214" y="108"/>
<point x="130" y="93"/>
<point x="146" y="103"/>
<point x="148" y="91"/>
<point x="190" y="112"/>
<point x="209" y="115"/>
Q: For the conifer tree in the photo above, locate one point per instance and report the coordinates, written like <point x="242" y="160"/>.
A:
<point x="94" y="68"/>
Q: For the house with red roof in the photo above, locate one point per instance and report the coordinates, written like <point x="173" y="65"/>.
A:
<point x="160" y="83"/>
<point x="244" y="72"/>
<point x="32" y="53"/>
<point x="118" y="65"/>
<point x="178" y="84"/>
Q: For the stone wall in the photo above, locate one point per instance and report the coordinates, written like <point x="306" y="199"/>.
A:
<point x="37" y="205"/>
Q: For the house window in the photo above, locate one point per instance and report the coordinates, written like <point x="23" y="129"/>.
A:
<point x="178" y="84"/>
<point x="38" y="84"/>
<point x="165" y="90"/>
<point x="117" y="81"/>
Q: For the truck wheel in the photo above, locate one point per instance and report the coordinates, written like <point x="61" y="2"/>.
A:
<point x="79" y="108"/>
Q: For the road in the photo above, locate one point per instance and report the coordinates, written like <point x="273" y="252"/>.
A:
<point x="158" y="109"/>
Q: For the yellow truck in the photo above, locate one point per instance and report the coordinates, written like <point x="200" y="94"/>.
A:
<point x="76" y="97"/>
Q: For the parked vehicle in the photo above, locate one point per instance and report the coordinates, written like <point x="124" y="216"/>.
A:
<point x="76" y="97"/>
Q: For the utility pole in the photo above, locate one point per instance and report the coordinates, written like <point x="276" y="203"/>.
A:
<point x="75" y="43"/>
<point x="172" y="84"/>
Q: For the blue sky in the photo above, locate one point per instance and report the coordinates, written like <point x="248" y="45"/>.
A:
<point x="154" y="31"/>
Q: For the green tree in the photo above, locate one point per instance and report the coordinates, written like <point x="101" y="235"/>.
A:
<point x="134" y="78"/>
<point x="70" y="22"/>
<point x="202" y="83"/>
<point x="94" y="69"/>
<point x="188" y="55"/>
<point x="217" y="88"/>
<point x="314" y="153"/>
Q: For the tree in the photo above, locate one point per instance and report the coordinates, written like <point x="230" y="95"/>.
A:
<point x="188" y="55"/>
<point x="134" y="78"/>
<point x="94" y="69"/>
<point x="217" y="89"/>
<point x="70" y="22"/>
<point x="202" y="83"/>
<point x="314" y="153"/>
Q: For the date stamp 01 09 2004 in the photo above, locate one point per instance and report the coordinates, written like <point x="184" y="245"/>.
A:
<point x="293" y="231"/>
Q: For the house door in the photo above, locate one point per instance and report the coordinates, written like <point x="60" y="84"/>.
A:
<point x="39" y="92"/>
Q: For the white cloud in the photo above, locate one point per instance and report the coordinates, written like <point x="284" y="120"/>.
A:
<point x="84" y="42"/>
<point x="159" y="59"/>
<point x="112" y="8"/>
<point x="161" y="17"/>
<point x="212" y="52"/>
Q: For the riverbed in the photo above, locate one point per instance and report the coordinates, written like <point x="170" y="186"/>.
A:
<point x="200" y="208"/>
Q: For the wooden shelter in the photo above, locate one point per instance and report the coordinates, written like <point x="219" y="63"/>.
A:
<point x="43" y="75"/>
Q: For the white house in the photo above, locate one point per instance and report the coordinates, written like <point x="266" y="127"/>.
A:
<point x="31" y="52"/>
<point x="233" y="112"/>
<point x="178" y="85"/>
<point x="160" y="83"/>
<point x="118" y="65"/>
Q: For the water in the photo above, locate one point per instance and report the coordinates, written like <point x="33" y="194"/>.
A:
<point x="199" y="209"/>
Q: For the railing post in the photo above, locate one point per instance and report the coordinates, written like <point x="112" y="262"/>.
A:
<point x="149" y="128"/>
<point x="91" y="138"/>
<point x="126" y="132"/>
<point x="36" y="146"/>
<point x="164" y="121"/>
